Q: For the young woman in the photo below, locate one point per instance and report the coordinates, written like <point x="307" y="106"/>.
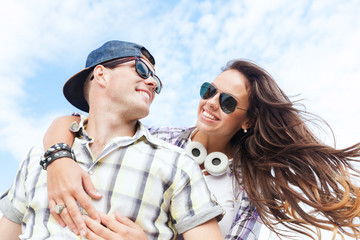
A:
<point x="276" y="163"/>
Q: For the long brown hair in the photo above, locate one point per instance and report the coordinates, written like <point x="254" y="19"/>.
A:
<point x="290" y="176"/>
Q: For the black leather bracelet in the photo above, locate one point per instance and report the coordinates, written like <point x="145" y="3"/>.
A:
<point x="56" y="155"/>
<point x="57" y="147"/>
<point x="57" y="151"/>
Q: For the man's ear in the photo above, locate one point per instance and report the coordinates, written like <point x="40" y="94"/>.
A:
<point x="100" y="75"/>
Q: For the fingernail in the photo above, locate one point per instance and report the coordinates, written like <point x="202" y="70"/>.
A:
<point x="82" y="233"/>
<point x="97" y="194"/>
<point x="75" y="231"/>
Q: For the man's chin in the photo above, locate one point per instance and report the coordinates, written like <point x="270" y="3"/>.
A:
<point x="142" y="113"/>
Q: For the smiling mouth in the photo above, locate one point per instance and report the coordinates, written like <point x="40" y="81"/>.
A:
<point x="209" y="116"/>
<point x="144" y="94"/>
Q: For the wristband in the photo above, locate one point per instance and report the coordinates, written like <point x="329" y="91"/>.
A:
<point x="56" y="155"/>
<point x="57" y="147"/>
<point x="57" y="151"/>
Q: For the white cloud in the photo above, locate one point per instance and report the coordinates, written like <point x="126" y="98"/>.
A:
<point x="309" y="47"/>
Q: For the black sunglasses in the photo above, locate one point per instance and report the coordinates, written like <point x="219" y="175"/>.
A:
<point x="227" y="102"/>
<point x="141" y="68"/>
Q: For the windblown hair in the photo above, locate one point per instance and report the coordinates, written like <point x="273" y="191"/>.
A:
<point x="290" y="176"/>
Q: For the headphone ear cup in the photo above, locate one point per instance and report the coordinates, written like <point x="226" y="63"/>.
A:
<point x="216" y="163"/>
<point x="197" y="151"/>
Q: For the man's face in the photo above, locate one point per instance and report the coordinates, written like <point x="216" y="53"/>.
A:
<point x="133" y="93"/>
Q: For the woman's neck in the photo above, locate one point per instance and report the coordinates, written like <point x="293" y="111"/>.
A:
<point x="213" y="143"/>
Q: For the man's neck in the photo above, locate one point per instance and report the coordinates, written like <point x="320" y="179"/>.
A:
<point x="104" y="127"/>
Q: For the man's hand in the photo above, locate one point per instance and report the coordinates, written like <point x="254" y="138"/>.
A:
<point x="67" y="183"/>
<point x="120" y="228"/>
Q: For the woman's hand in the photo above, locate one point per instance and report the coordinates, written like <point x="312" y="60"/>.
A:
<point x="120" y="228"/>
<point x="67" y="183"/>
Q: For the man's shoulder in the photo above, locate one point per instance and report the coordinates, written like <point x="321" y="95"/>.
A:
<point x="168" y="130"/>
<point x="35" y="152"/>
<point x="175" y="135"/>
<point x="164" y="147"/>
<point x="37" y="149"/>
<point x="31" y="161"/>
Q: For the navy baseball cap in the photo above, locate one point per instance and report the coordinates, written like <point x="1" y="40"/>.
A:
<point x="74" y="87"/>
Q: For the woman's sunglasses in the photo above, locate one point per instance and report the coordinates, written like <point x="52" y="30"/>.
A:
<point x="227" y="102"/>
<point x="141" y="68"/>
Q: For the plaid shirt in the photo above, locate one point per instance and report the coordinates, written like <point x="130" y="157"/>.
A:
<point x="246" y="224"/>
<point x="152" y="182"/>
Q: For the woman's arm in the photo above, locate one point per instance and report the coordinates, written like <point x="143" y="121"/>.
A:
<point x="59" y="131"/>
<point x="67" y="182"/>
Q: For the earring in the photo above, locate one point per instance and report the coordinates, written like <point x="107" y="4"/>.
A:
<point x="245" y="130"/>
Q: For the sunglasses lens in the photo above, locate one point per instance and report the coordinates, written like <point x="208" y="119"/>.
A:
<point x="159" y="84"/>
<point x="142" y="69"/>
<point x="207" y="90"/>
<point x="227" y="103"/>
<point x="144" y="72"/>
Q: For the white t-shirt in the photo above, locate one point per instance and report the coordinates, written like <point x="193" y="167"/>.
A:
<point x="223" y="189"/>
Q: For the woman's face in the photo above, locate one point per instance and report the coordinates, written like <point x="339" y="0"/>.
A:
<point x="211" y="119"/>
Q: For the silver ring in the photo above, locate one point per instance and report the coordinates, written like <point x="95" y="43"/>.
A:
<point x="59" y="208"/>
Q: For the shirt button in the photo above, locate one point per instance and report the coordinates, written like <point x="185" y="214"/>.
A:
<point x="91" y="172"/>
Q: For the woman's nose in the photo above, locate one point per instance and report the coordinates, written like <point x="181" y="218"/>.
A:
<point x="214" y="102"/>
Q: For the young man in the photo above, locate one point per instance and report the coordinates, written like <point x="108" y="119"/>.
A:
<point x="151" y="182"/>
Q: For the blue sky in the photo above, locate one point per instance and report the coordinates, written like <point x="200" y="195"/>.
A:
<point x="310" y="47"/>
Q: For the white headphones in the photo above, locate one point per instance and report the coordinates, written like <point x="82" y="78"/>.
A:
<point x="216" y="163"/>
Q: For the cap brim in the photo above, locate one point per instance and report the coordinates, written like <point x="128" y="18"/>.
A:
<point x="74" y="90"/>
